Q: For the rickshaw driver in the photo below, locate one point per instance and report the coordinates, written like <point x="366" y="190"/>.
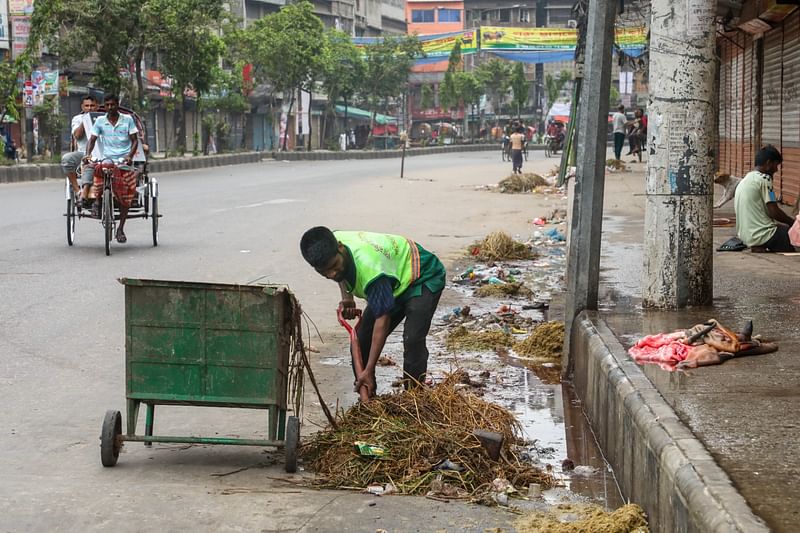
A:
<point x="120" y="139"/>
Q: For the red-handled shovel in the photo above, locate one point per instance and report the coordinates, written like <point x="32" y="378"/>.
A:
<point x="355" y="349"/>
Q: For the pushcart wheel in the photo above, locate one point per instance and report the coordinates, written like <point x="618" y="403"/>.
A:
<point x="154" y="215"/>
<point x="547" y="151"/>
<point x="72" y="215"/>
<point x="292" y="443"/>
<point x="110" y="442"/>
<point x="108" y="219"/>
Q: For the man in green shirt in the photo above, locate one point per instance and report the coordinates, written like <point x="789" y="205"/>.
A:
<point x="760" y="223"/>
<point x="398" y="278"/>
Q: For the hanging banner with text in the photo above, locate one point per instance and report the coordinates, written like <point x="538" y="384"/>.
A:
<point x="551" y="39"/>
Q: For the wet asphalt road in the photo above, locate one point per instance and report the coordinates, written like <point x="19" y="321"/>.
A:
<point x="62" y="336"/>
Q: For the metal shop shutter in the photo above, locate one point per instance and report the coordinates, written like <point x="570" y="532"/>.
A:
<point x="771" y="88"/>
<point x="789" y="182"/>
<point x="724" y="162"/>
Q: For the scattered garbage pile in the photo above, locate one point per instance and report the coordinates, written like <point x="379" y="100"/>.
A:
<point x="571" y="518"/>
<point x="523" y="183"/>
<point x="439" y="441"/>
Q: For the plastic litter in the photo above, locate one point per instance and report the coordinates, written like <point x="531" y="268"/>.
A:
<point x="369" y="450"/>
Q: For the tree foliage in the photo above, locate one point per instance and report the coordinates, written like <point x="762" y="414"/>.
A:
<point x="388" y="64"/>
<point x="286" y="48"/>
<point x="554" y="85"/>
<point x="519" y="86"/>
<point x="495" y="76"/>
<point x="449" y="96"/>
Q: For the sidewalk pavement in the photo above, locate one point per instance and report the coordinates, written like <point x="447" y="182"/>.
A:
<point x="745" y="413"/>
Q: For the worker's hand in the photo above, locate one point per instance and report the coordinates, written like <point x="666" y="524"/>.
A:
<point x="349" y="310"/>
<point x="367" y="377"/>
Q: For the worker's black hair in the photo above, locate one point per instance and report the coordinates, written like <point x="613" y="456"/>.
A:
<point x="768" y="153"/>
<point x="111" y="96"/>
<point x="318" y="246"/>
<point x="89" y="97"/>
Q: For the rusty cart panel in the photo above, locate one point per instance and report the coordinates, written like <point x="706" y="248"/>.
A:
<point x="207" y="344"/>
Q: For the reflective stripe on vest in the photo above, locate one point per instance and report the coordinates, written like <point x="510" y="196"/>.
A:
<point x="378" y="254"/>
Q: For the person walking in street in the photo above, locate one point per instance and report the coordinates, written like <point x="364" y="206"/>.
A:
<point x="517" y="141"/>
<point x="618" y="121"/>
<point x="397" y="277"/>
<point x="760" y="222"/>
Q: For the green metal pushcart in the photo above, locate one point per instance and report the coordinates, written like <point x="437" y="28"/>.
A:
<point x="208" y="344"/>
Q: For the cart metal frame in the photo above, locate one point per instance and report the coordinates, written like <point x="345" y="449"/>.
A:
<point x="205" y="344"/>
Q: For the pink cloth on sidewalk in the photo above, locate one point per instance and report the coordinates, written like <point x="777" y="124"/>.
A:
<point x="665" y="348"/>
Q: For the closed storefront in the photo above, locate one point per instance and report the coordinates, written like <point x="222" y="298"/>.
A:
<point x="758" y="98"/>
<point x="737" y="79"/>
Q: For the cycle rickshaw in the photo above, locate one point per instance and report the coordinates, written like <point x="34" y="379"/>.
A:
<point x="143" y="205"/>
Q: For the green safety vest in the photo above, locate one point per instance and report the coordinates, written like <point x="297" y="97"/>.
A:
<point x="379" y="254"/>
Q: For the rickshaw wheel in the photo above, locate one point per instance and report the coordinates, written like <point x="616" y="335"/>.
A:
<point x="71" y="217"/>
<point x="110" y="443"/>
<point x="292" y="442"/>
<point x="108" y="219"/>
<point x="154" y="215"/>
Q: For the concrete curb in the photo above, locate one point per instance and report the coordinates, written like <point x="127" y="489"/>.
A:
<point x="381" y="154"/>
<point x="34" y="172"/>
<point x="659" y="463"/>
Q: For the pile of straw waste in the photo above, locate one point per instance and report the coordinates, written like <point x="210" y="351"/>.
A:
<point x="499" y="246"/>
<point x="461" y="338"/>
<point x="568" y="518"/>
<point x="520" y="183"/>
<point x="503" y="289"/>
<point x="419" y="430"/>
<point x="616" y="164"/>
<point x="546" y="342"/>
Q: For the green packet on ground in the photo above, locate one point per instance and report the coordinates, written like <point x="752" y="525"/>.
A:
<point x="369" y="450"/>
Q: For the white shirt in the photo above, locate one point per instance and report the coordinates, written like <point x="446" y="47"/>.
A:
<point x="619" y="122"/>
<point x="86" y="120"/>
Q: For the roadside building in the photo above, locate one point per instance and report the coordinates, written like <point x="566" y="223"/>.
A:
<point x="759" y="50"/>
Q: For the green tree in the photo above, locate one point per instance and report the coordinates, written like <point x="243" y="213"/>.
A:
<point x="343" y="71"/>
<point x="520" y="87"/>
<point x="111" y="30"/>
<point x="188" y="47"/>
<point x="554" y="85"/>
<point x="495" y="76"/>
<point x="287" y="48"/>
<point x="470" y="91"/>
<point x="388" y="64"/>
<point x="426" y="97"/>
<point x="613" y="98"/>
<point x="448" y="91"/>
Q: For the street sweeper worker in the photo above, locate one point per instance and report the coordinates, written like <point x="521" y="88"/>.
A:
<point x="397" y="277"/>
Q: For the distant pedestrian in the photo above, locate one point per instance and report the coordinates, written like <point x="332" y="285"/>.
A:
<point x="618" y="121"/>
<point x="517" y="141"/>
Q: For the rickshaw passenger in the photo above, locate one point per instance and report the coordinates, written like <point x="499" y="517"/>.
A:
<point x="120" y="139"/>
<point x="81" y="126"/>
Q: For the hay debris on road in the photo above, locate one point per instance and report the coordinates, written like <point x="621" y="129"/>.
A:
<point x="616" y="164"/>
<point x="503" y="289"/>
<point x="522" y="183"/>
<point x="579" y="519"/>
<point x="499" y="246"/>
<point x="419" y="430"/>
<point x="546" y="342"/>
<point x="463" y="339"/>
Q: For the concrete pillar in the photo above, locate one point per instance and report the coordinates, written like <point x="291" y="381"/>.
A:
<point x="583" y="260"/>
<point x="681" y="140"/>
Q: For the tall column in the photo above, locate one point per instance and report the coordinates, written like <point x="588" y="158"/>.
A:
<point x="681" y="142"/>
<point x="583" y="264"/>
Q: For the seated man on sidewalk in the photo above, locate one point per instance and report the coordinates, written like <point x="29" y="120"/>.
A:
<point x="80" y="129"/>
<point x="760" y="222"/>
